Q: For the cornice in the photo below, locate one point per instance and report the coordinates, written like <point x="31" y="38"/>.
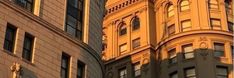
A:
<point x="192" y="32"/>
<point x="115" y="7"/>
<point x="54" y="29"/>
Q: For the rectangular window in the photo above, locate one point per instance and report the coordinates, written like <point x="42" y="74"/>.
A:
<point x="80" y="70"/>
<point x="28" y="47"/>
<point x="230" y="26"/>
<point x="9" y="42"/>
<point x="190" y="72"/>
<point x="137" y="70"/>
<point x="136" y="43"/>
<point x="26" y="4"/>
<point x="186" y="25"/>
<point x="65" y="62"/>
<point x="174" y="75"/>
<point x="172" y="56"/>
<point x="188" y="51"/>
<point x="218" y="49"/>
<point x="123" y="73"/>
<point x="215" y="23"/>
<point x="221" y="72"/>
<point x="171" y="29"/>
<point x="122" y="48"/>
<point x="74" y="18"/>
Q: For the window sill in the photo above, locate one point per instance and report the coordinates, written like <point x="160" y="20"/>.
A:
<point x="10" y="53"/>
<point x="28" y="62"/>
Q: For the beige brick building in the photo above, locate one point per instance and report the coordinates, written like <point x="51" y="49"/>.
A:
<point x="51" y="38"/>
<point x="168" y="39"/>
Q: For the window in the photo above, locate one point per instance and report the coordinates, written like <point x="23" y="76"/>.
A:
<point x="123" y="48"/>
<point x="135" y="23"/>
<point x="65" y="66"/>
<point x="171" y="29"/>
<point x="174" y="75"/>
<point x="213" y="4"/>
<point x="228" y="6"/>
<point x="122" y="30"/>
<point x="80" y="69"/>
<point x="9" y="42"/>
<point x="218" y="49"/>
<point x="137" y="70"/>
<point x="215" y="23"/>
<point x="230" y="26"/>
<point x="170" y="11"/>
<point x="74" y="18"/>
<point x="186" y="25"/>
<point x="172" y="56"/>
<point x="184" y="5"/>
<point x="26" y="4"/>
<point x="123" y="73"/>
<point x="136" y="43"/>
<point x="188" y="51"/>
<point x="190" y="72"/>
<point x="28" y="47"/>
<point x="221" y="72"/>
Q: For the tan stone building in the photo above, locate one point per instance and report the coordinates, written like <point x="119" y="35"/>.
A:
<point x="168" y="39"/>
<point x="51" y="38"/>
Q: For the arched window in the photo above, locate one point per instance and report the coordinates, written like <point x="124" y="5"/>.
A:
<point x="184" y="5"/>
<point x="228" y="6"/>
<point x="135" y="23"/>
<point x="213" y="4"/>
<point x="122" y="29"/>
<point x="170" y="11"/>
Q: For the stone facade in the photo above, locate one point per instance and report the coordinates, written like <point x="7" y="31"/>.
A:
<point x="178" y="38"/>
<point x="46" y="23"/>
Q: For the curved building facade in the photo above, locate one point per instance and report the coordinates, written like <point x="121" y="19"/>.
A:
<point x="51" y="38"/>
<point x="171" y="39"/>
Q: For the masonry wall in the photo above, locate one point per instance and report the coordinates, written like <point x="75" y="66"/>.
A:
<point x="50" y="42"/>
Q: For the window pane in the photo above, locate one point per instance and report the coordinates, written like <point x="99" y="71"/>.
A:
<point x="123" y="47"/>
<point x="137" y="69"/>
<point x="170" y="11"/>
<point x="190" y="72"/>
<point x="186" y="25"/>
<point x="171" y="29"/>
<point x="174" y="75"/>
<point x="136" y="43"/>
<point x="65" y="60"/>
<point x="187" y="48"/>
<point x="9" y="38"/>
<point x="184" y="5"/>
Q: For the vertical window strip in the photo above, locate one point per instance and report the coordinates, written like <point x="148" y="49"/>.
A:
<point x="28" y="47"/>
<point x="10" y="34"/>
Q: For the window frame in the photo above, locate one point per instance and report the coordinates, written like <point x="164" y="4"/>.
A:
<point x="136" y="43"/>
<point x="137" y="70"/>
<point x="222" y="67"/>
<point x="25" y="5"/>
<point x="11" y="43"/>
<point x="172" y="58"/>
<point x="135" y="23"/>
<point x="67" y="68"/>
<point x="213" y="4"/>
<point x="171" y="75"/>
<point x="186" y="75"/>
<point x="124" y="70"/>
<point x="170" y="12"/>
<point x="217" y="51"/>
<point x="32" y="38"/>
<point x="124" y="51"/>
<point x="122" y="29"/>
<point x="74" y="26"/>
<point x="187" y="52"/>
<point x="186" y="28"/>
<point x="171" y="32"/>
<point x="182" y="6"/>
<point x="83" y="66"/>
<point x="215" y="26"/>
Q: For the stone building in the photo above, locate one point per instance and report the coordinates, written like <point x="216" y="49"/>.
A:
<point x="168" y="39"/>
<point x="51" y="38"/>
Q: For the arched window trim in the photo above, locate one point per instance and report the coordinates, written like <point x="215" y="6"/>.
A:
<point x="170" y="12"/>
<point x="122" y="29"/>
<point x="135" y="23"/>
<point x="186" y="6"/>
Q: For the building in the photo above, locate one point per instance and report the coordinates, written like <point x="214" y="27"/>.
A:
<point x="51" y="38"/>
<point x="168" y="39"/>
